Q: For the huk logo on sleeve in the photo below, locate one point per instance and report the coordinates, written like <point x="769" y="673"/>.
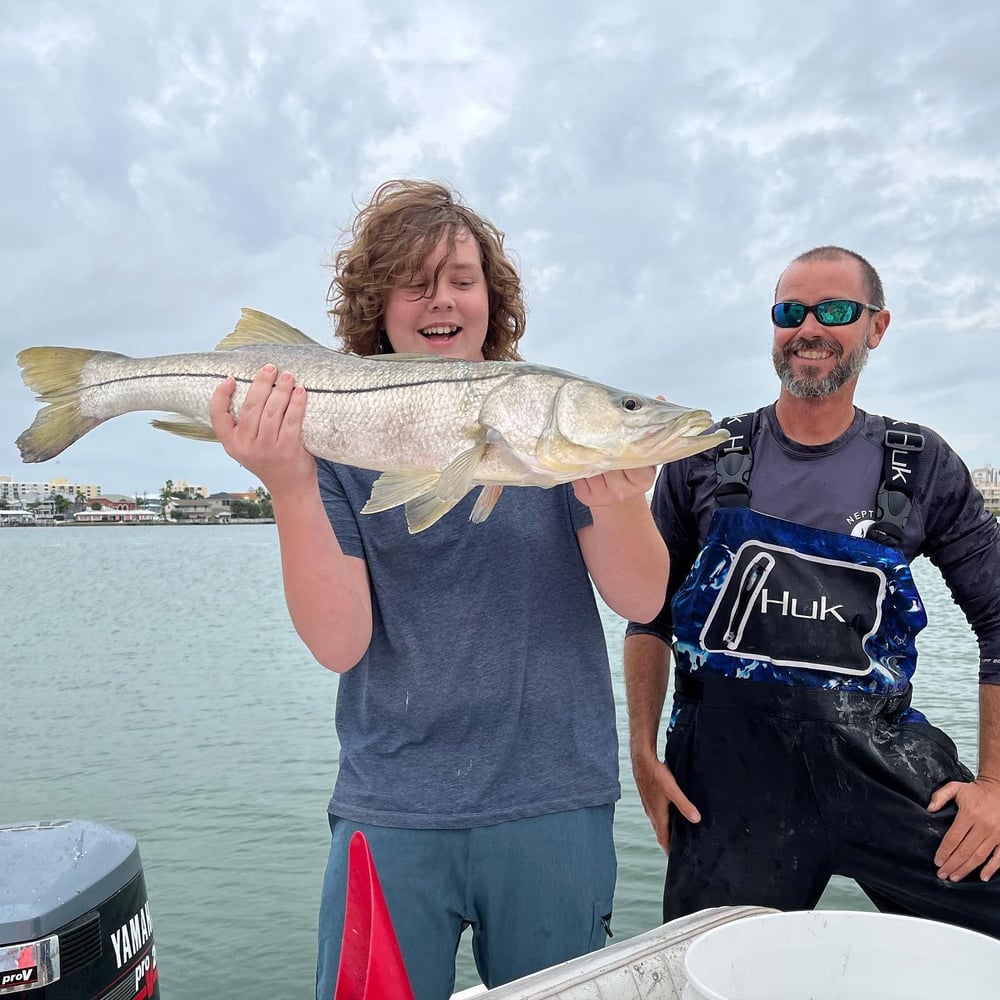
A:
<point x="796" y="610"/>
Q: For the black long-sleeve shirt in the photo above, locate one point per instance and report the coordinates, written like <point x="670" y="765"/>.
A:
<point x="833" y="486"/>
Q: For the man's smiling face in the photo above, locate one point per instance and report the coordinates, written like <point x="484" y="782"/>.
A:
<point x="812" y="360"/>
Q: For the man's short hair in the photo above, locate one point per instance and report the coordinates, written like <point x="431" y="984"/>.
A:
<point x="873" y="283"/>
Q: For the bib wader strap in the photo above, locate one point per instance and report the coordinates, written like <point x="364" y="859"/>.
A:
<point x="733" y="462"/>
<point x="903" y="444"/>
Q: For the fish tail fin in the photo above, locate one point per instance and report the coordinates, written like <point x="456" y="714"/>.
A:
<point x="55" y="373"/>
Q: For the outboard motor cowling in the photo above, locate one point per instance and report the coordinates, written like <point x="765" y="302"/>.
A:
<point x="74" y="917"/>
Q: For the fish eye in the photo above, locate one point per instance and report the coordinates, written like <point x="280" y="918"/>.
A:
<point x="631" y="403"/>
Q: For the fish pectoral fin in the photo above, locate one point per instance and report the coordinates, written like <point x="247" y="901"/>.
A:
<point x="459" y="474"/>
<point x="393" y="489"/>
<point x="186" y="428"/>
<point x="488" y="497"/>
<point x="423" y="511"/>
<point x="256" y="327"/>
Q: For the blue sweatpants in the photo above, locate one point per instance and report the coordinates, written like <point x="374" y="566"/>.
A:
<point x="535" y="891"/>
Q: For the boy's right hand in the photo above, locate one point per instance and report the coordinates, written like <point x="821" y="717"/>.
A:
<point x="266" y="438"/>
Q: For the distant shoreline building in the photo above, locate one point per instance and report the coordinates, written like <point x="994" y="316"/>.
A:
<point x="59" y="501"/>
<point x="987" y="481"/>
<point x="183" y="486"/>
<point x="23" y="492"/>
<point x="20" y="494"/>
<point x="199" y="511"/>
<point x="14" y="490"/>
<point x="107" y="514"/>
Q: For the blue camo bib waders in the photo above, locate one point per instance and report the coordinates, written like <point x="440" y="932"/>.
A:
<point x="792" y="730"/>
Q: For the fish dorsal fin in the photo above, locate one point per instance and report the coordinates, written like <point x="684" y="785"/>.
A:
<point x="488" y="497"/>
<point x="458" y="475"/>
<point x="186" y="427"/>
<point x="256" y="327"/>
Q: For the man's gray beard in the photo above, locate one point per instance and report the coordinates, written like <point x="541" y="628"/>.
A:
<point x="807" y="386"/>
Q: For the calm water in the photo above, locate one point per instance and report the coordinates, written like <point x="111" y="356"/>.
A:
<point x="152" y="682"/>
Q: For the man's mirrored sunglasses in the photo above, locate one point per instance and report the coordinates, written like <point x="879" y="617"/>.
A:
<point x="830" y="312"/>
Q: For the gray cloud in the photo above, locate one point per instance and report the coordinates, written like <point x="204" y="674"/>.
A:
<point x="653" y="169"/>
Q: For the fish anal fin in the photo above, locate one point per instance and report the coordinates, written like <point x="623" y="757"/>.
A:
<point x="458" y="476"/>
<point x="488" y="497"/>
<point x="255" y="327"/>
<point x="186" y="428"/>
<point x="423" y="511"/>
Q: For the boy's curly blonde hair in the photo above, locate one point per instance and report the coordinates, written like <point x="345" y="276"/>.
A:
<point x="392" y="236"/>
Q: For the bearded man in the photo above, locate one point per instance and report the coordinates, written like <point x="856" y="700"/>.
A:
<point x="793" y="752"/>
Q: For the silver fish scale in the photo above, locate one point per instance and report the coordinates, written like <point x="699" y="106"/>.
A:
<point x="374" y="414"/>
<point x="516" y="423"/>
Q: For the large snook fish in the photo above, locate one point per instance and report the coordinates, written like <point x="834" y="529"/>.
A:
<point x="436" y="428"/>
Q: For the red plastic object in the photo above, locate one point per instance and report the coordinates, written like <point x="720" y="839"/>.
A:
<point x="371" y="964"/>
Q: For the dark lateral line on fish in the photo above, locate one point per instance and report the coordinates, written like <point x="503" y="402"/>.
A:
<point x="311" y="389"/>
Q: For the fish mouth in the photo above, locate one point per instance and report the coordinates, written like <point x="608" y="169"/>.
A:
<point x="689" y="425"/>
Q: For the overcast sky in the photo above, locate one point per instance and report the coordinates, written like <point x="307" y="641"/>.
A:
<point x="654" y="166"/>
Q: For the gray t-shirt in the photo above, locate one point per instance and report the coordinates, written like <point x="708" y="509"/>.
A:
<point x="485" y="694"/>
<point x="834" y="486"/>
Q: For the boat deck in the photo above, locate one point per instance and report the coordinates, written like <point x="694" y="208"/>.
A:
<point x="649" y="966"/>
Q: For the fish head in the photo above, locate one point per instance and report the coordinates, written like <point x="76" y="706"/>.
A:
<point x="594" y="428"/>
